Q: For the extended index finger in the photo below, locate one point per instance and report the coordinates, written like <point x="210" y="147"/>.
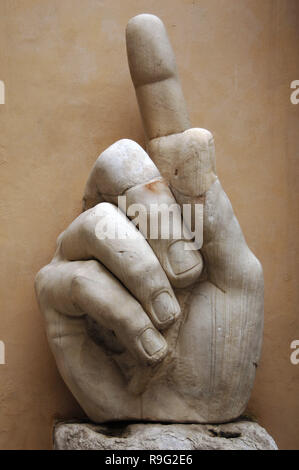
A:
<point x="154" y="74"/>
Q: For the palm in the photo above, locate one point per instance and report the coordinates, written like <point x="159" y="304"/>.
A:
<point x="214" y="359"/>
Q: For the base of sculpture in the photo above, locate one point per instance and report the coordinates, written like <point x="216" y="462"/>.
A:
<point x="239" y="435"/>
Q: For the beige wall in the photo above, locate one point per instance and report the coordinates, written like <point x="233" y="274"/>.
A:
<point x="68" y="96"/>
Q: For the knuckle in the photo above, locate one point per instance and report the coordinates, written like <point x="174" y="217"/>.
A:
<point x="76" y="286"/>
<point x="38" y="278"/>
<point x="257" y="269"/>
<point x="123" y="165"/>
<point x="42" y="273"/>
<point x="41" y="280"/>
<point x="195" y="170"/>
<point x="133" y="323"/>
<point x="254" y="271"/>
<point x="76" y="282"/>
<point x="147" y="268"/>
<point x="84" y="225"/>
<point x="59" y="238"/>
<point x="102" y="211"/>
<point x="99" y="210"/>
<point x="202" y="137"/>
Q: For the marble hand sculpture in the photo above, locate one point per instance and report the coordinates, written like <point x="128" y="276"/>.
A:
<point x="148" y="329"/>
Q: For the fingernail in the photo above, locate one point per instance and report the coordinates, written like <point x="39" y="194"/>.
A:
<point x="152" y="342"/>
<point x="182" y="259"/>
<point x="165" y="308"/>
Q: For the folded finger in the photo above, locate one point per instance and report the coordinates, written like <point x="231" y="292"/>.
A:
<point x="87" y="288"/>
<point x="125" y="169"/>
<point x="106" y="234"/>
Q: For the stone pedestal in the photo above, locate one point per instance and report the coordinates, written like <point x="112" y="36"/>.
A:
<point x="240" y="435"/>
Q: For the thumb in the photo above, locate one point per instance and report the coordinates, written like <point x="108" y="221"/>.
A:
<point x="186" y="160"/>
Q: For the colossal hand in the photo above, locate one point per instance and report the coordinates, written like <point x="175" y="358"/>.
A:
<point x="147" y="329"/>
